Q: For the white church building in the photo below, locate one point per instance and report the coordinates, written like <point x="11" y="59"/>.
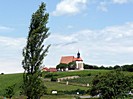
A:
<point x="78" y="60"/>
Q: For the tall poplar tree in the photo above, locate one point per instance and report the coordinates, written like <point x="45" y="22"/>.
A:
<point x="34" y="53"/>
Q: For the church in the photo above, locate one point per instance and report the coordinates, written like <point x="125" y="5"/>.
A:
<point x="78" y="60"/>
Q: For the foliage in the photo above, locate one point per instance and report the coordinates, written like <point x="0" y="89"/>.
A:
<point x="9" y="91"/>
<point x="111" y="85"/>
<point x="127" y="68"/>
<point x="34" y="53"/>
<point x="72" y="65"/>
<point x="62" y="66"/>
<point x="87" y="66"/>
<point x="54" y="78"/>
<point x="116" y="67"/>
<point x="34" y="88"/>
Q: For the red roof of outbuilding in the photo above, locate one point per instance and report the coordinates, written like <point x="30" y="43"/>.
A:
<point x="52" y="70"/>
<point x="49" y="69"/>
<point x="45" y="69"/>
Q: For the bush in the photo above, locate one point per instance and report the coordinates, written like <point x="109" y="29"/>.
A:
<point x="2" y="73"/>
<point x="89" y="74"/>
<point x="54" y="78"/>
<point x="9" y="91"/>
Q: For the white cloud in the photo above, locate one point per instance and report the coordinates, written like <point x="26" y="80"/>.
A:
<point x="12" y="42"/>
<point x="69" y="7"/>
<point x="5" y="29"/>
<point x="11" y="54"/>
<point x="109" y="46"/>
<point x="72" y="7"/>
<point x="103" y="6"/>
<point x="120" y="1"/>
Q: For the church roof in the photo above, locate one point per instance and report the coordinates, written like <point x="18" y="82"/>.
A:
<point x="67" y="59"/>
<point x="78" y="59"/>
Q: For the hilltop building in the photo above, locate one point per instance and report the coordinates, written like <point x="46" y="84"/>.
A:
<point x="78" y="61"/>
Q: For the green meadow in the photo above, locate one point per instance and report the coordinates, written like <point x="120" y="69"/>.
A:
<point x="86" y="76"/>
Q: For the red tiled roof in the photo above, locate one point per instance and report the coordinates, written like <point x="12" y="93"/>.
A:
<point x="78" y="59"/>
<point x="52" y="70"/>
<point x="49" y="69"/>
<point x="45" y="69"/>
<point x="67" y="59"/>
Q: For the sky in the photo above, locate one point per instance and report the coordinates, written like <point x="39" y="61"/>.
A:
<point x="101" y="30"/>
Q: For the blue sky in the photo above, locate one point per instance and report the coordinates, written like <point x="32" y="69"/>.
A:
<point x="102" y="30"/>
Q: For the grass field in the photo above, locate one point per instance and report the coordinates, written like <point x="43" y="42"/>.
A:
<point x="77" y="73"/>
<point x="86" y="76"/>
<point x="8" y="80"/>
<point x="58" y="97"/>
<point x="47" y="97"/>
<point x="62" y="87"/>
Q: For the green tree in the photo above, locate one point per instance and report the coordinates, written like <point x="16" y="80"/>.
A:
<point x="72" y="65"/>
<point x="34" y="53"/>
<point x="86" y="66"/>
<point x="112" y="85"/>
<point x="127" y="68"/>
<point x="62" y="66"/>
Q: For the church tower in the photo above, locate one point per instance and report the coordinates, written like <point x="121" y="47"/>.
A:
<point x="79" y="62"/>
<point x="78" y="55"/>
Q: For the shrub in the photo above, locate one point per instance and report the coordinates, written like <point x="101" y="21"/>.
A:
<point x="89" y="74"/>
<point x="9" y="91"/>
<point x="54" y="78"/>
<point x="2" y="73"/>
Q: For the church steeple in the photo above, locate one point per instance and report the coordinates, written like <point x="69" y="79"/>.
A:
<point x="78" y="55"/>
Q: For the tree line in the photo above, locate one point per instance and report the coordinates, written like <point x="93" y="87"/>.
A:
<point x="72" y="66"/>
<point x="116" y="67"/>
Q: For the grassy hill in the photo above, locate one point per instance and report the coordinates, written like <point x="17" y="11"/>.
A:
<point x="86" y="76"/>
<point x="10" y="79"/>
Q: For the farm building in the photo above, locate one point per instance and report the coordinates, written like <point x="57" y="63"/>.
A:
<point x="49" y="69"/>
